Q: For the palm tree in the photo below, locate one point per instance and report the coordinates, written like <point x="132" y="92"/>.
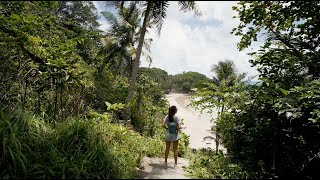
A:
<point x="122" y="37"/>
<point x="226" y="76"/>
<point x="155" y="12"/>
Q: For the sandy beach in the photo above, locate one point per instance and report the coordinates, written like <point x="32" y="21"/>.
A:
<point x="197" y="125"/>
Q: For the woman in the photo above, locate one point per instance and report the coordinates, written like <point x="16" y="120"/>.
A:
<point x="172" y="124"/>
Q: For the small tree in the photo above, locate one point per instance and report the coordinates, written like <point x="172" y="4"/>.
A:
<point x="213" y="95"/>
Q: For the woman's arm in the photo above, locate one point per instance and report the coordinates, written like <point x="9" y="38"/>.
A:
<point x="164" y="123"/>
<point x="179" y="126"/>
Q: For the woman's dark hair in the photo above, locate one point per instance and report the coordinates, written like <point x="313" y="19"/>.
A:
<point x="172" y="111"/>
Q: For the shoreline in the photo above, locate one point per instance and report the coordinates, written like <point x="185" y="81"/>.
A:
<point x="197" y="125"/>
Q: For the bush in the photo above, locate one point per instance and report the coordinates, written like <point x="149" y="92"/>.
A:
<point x="207" y="164"/>
<point x="183" y="145"/>
<point x="274" y="137"/>
<point x="75" y="148"/>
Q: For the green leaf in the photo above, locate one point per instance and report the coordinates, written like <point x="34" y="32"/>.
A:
<point x="313" y="120"/>
<point x="15" y="16"/>
<point x="108" y="105"/>
<point x="285" y="92"/>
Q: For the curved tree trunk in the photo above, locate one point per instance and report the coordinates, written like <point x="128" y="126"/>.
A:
<point x="137" y="60"/>
<point x="217" y="137"/>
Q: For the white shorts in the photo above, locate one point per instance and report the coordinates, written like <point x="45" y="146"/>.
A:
<point x="172" y="137"/>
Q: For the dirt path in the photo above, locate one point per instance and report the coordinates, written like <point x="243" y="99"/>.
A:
<point x="154" y="168"/>
<point x="197" y="126"/>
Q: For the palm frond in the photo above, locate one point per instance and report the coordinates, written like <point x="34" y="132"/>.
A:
<point x="132" y="51"/>
<point x="223" y="69"/>
<point x="115" y="4"/>
<point x="226" y="73"/>
<point x="158" y="13"/>
<point x="249" y="78"/>
<point x="124" y="29"/>
<point x="147" y="44"/>
<point x="241" y="77"/>
<point x="110" y="41"/>
<point x="189" y="5"/>
<point x="111" y="19"/>
<point x="148" y="40"/>
<point x="148" y="57"/>
<point x="131" y="9"/>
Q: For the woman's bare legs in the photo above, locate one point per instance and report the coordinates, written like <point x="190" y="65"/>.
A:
<point x="175" y="151"/>
<point x="166" y="153"/>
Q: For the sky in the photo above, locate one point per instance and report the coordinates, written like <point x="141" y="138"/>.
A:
<point x="190" y="43"/>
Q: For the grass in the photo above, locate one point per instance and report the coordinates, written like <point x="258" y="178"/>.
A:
<point x="76" y="148"/>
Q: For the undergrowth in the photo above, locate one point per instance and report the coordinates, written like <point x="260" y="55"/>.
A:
<point x="206" y="164"/>
<point x="91" y="147"/>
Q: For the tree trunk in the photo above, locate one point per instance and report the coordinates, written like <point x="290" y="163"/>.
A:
<point x="137" y="60"/>
<point x="217" y="138"/>
<point x="24" y="97"/>
<point x="222" y="108"/>
<point x="274" y="148"/>
<point x="55" y="99"/>
<point x="61" y="106"/>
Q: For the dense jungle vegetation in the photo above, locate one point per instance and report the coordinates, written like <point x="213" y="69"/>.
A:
<point x="74" y="102"/>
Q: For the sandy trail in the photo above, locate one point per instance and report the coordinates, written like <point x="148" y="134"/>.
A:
<point x="154" y="168"/>
<point x="197" y="126"/>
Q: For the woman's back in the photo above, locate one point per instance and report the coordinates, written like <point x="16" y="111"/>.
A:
<point x="172" y="133"/>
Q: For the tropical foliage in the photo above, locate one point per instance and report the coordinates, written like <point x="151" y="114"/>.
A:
<point x="186" y="81"/>
<point x="206" y="164"/>
<point x="217" y="93"/>
<point x="63" y="87"/>
<point x="154" y="14"/>
<point x="272" y="129"/>
<point x="67" y="86"/>
<point x="179" y="83"/>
